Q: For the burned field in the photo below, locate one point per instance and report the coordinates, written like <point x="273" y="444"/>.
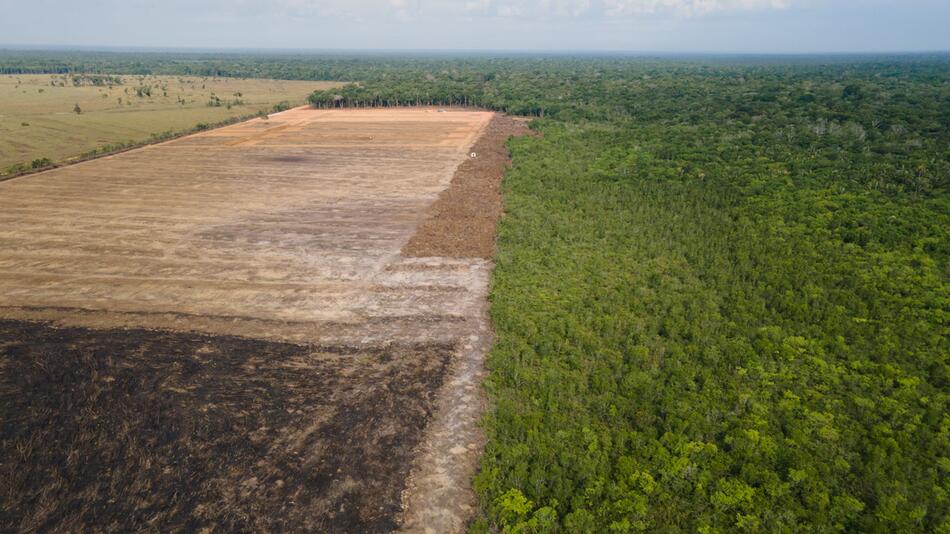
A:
<point x="136" y="429"/>
<point x="224" y="332"/>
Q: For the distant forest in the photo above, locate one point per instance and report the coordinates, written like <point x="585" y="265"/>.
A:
<point x="722" y="292"/>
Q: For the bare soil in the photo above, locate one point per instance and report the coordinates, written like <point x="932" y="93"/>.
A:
<point x="223" y="333"/>
<point x="461" y="222"/>
<point x="287" y="229"/>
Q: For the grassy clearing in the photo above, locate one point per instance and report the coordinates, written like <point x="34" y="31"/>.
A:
<point x="39" y="119"/>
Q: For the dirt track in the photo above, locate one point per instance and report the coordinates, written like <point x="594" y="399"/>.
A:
<point x="221" y="331"/>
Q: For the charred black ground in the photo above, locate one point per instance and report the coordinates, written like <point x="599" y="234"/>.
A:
<point x="146" y="430"/>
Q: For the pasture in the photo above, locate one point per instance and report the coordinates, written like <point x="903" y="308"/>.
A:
<point x="59" y="117"/>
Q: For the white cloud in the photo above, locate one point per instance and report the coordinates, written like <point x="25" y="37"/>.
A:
<point x="532" y="8"/>
<point x="509" y="10"/>
<point x="564" y="8"/>
<point x="615" y="8"/>
<point x="478" y="6"/>
<point x="643" y="25"/>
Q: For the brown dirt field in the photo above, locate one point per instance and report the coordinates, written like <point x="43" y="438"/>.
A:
<point x="287" y="229"/>
<point x="461" y="223"/>
<point x="220" y="332"/>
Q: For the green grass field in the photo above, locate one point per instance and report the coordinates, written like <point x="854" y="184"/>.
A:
<point x="38" y="116"/>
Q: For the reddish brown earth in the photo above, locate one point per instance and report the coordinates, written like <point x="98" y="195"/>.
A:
<point x="223" y="332"/>
<point x="461" y="222"/>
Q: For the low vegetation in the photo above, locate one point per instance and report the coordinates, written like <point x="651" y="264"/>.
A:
<point x="63" y="116"/>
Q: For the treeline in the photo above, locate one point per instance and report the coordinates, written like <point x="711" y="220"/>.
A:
<point x="890" y="116"/>
<point x="357" y="96"/>
<point x="568" y="87"/>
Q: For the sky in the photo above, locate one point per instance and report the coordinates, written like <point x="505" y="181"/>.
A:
<point x="676" y="26"/>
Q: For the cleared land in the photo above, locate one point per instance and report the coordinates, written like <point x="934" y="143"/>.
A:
<point x="38" y="118"/>
<point x="222" y="331"/>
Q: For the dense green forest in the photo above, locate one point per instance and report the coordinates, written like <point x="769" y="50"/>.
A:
<point x="727" y="313"/>
<point x="721" y="295"/>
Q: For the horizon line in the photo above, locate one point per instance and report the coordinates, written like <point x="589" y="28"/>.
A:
<point x="35" y="47"/>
